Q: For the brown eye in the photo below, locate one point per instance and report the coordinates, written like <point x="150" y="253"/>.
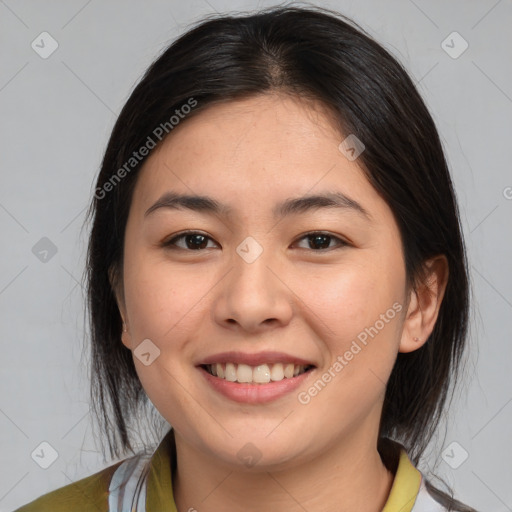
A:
<point x="190" y="240"/>
<point x="322" y="241"/>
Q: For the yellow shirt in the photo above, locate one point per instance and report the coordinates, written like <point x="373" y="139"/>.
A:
<point x="148" y="487"/>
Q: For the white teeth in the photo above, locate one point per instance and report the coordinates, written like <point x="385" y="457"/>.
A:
<point x="244" y="373"/>
<point x="288" y="371"/>
<point x="230" y="373"/>
<point x="277" y="372"/>
<point x="262" y="374"/>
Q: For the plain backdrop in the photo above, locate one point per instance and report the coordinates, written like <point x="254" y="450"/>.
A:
<point x="56" y="115"/>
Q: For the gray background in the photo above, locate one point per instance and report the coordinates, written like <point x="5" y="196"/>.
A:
<point x="56" y="115"/>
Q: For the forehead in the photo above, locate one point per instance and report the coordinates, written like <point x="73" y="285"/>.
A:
<point x="252" y="151"/>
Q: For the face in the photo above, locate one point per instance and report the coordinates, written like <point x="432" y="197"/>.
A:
<point x="272" y="312"/>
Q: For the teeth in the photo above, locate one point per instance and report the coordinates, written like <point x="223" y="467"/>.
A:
<point x="288" y="371"/>
<point x="277" y="372"/>
<point x="244" y="373"/>
<point x="230" y="373"/>
<point x="262" y="374"/>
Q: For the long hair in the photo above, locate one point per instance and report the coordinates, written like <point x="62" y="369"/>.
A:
<point x="317" y="54"/>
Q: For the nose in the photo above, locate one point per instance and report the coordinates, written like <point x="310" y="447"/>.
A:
<point x="253" y="297"/>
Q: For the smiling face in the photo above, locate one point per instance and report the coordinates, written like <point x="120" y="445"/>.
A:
<point x="264" y="280"/>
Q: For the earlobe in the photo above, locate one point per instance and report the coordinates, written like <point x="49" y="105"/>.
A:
<point x="125" y="337"/>
<point x="424" y="304"/>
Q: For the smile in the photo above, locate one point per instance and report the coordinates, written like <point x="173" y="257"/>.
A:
<point x="255" y="378"/>
<point x="261" y="374"/>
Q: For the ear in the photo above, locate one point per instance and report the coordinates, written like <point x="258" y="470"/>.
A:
<point x="424" y="304"/>
<point x="117" y="288"/>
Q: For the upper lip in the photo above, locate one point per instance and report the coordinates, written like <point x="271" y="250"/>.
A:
<point x="254" y="359"/>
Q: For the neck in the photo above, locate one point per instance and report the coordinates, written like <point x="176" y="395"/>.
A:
<point x="348" y="476"/>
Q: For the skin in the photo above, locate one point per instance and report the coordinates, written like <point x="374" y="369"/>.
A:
<point x="309" y="302"/>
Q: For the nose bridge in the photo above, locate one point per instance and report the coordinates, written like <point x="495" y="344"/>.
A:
<point x="251" y="293"/>
<point x="251" y="271"/>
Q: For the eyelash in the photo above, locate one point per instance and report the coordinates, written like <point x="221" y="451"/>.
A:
<point x="171" y="244"/>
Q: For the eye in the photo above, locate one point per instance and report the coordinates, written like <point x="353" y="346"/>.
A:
<point x="195" y="241"/>
<point x="318" y="241"/>
<point x="190" y="240"/>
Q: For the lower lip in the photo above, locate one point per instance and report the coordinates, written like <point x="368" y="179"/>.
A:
<point x="254" y="393"/>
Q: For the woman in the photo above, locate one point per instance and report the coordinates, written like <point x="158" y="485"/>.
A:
<point x="276" y="262"/>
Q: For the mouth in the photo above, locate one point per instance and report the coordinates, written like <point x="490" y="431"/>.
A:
<point x="255" y="378"/>
<point x="260" y="374"/>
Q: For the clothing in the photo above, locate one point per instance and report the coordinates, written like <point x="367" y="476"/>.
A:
<point x="148" y="487"/>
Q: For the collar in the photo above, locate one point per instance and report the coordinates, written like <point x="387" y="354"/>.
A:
<point x="159" y="495"/>
<point x="402" y="496"/>
<point x="406" y="486"/>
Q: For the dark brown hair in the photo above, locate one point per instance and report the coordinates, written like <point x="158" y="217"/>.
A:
<point x="310" y="53"/>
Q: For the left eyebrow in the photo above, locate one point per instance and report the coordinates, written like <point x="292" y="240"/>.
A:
<point x="324" y="200"/>
<point x="290" y="206"/>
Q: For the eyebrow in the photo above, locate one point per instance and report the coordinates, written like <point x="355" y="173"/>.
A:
<point x="290" y="206"/>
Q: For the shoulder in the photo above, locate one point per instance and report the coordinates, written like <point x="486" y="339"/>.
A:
<point x="88" y="494"/>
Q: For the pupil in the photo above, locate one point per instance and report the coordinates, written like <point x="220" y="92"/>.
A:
<point x="196" y="241"/>
<point x="322" y="240"/>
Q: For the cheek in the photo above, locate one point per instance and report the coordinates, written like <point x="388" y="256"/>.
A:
<point x="161" y="300"/>
<point x="356" y="314"/>
<point x="349" y="298"/>
<point x="356" y="310"/>
<point x="163" y="305"/>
